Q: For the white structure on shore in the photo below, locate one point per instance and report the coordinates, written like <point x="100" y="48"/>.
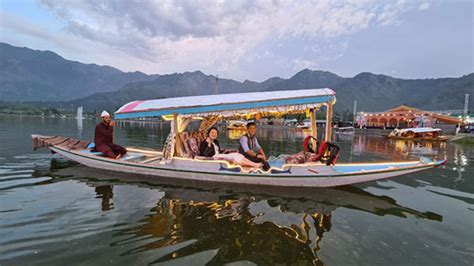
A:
<point x="79" y="112"/>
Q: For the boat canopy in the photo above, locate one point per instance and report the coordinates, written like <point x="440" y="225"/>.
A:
<point x="419" y="130"/>
<point x="227" y="105"/>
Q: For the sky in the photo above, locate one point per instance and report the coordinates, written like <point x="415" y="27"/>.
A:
<point x="251" y="39"/>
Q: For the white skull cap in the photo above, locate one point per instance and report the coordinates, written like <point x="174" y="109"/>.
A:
<point x="104" y="113"/>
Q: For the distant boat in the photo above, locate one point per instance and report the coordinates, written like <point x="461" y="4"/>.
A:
<point x="344" y="130"/>
<point x="418" y="134"/>
<point x="306" y="124"/>
<point x="236" y="125"/>
<point x="290" y="122"/>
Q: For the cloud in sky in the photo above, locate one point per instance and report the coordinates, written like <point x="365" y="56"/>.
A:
<point x="19" y="25"/>
<point x="424" y="6"/>
<point x="213" y="36"/>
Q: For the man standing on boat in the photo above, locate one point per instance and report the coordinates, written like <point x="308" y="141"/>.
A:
<point x="104" y="138"/>
<point x="250" y="148"/>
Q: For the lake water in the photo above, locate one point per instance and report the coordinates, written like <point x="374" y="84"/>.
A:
<point x="57" y="212"/>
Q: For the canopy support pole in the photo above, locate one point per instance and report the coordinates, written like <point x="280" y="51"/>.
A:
<point x="170" y="143"/>
<point x="175" y="126"/>
<point x="329" y="121"/>
<point x="314" y="127"/>
<point x="182" y="123"/>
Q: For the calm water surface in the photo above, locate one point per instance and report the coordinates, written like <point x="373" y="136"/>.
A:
<point x="57" y="212"/>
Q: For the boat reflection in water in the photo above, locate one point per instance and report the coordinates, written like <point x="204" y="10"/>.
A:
<point x="258" y="224"/>
<point x="397" y="149"/>
<point x="105" y="193"/>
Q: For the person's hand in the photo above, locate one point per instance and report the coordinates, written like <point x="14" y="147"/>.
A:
<point x="261" y="156"/>
<point x="209" y="141"/>
<point x="112" y="123"/>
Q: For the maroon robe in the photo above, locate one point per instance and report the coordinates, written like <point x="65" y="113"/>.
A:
<point x="103" y="138"/>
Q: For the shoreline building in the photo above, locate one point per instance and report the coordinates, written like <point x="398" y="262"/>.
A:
<point x="404" y="117"/>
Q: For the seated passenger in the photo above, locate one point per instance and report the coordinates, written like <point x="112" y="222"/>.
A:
<point x="250" y="148"/>
<point x="210" y="148"/>
<point x="104" y="138"/>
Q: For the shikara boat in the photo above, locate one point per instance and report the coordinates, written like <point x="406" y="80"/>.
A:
<point x="418" y="134"/>
<point x="180" y="160"/>
<point x="305" y="124"/>
<point x="236" y="125"/>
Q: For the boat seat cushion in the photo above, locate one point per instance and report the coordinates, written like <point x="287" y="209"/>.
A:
<point x="277" y="162"/>
<point x="301" y="157"/>
<point x="90" y="149"/>
<point x="296" y="158"/>
<point x="188" y="144"/>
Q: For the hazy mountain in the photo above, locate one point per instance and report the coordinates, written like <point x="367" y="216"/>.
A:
<point x="166" y="86"/>
<point x="308" y="79"/>
<point x="28" y="75"/>
<point x="31" y="75"/>
<point x="372" y="92"/>
<point x="197" y="83"/>
<point x="380" y="92"/>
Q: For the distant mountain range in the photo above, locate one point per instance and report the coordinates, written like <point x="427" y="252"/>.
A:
<point x="30" y="75"/>
<point x="43" y="76"/>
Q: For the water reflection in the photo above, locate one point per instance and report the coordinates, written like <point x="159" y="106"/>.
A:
<point x="143" y="133"/>
<point x="105" y="193"/>
<point x="134" y="220"/>
<point x="461" y="157"/>
<point x="344" y="137"/>
<point x="259" y="224"/>
<point x="79" y="122"/>
<point x="230" y="228"/>
<point x="397" y="149"/>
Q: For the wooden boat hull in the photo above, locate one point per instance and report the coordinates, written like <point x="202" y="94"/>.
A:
<point x="307" y="175"/>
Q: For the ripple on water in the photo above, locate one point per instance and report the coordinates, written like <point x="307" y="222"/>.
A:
<point x="19" y="174"/>
<point x="46" y="217"/>
<point x="93" y="221"/>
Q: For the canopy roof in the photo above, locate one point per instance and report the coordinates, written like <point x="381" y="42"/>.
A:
<point x="419" y="130"/>
<point x="410" y="111"/>
<point x="227" y="104"/>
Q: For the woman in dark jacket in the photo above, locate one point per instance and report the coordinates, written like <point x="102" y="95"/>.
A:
<point x="208" y="147"/>
<point x="211" y="148"/>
